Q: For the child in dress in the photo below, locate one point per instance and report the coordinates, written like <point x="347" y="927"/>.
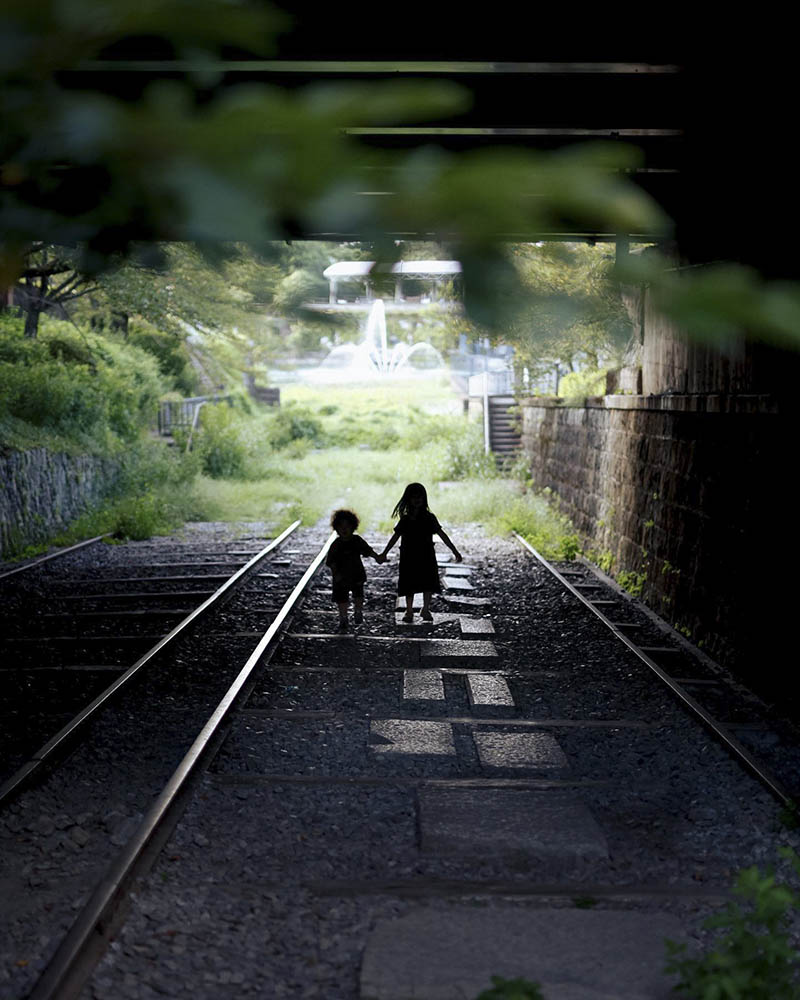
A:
<point x="344" y="560"/>
<point x="418" y="573"/>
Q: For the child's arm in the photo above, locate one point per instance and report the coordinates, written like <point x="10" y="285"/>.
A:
<point x="369" y="551"/>
<point x="443" y="535"/>
<point x="389" y="545"/>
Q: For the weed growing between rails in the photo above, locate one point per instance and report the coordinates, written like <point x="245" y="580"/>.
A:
<point x="754" y="958"/>
<point x="512" y="989"/>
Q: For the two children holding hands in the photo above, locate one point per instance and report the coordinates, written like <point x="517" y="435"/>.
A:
<point x="418" y="572"/>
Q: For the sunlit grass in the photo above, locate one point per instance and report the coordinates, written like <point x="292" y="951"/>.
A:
<point x="432" y="394"/>
<point x="371" y="483"/>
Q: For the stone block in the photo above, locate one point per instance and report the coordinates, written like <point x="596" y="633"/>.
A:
<point x="438" y="618"/>
<point x="451" y="953"/>
<point x="456" y="583"/>
<point x="411" y="736"/>
<point x="457" y="649"/>
<point x="551" y="826"/>
<point x="457" y="600"/>
<point x="475" y="626"/>
<point x="488" y="689"/>
<point x="535" y="751"/>
<point x="423" y="685"/>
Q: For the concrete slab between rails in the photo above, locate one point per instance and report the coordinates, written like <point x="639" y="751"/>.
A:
<point x="451" y="952"/>
<point x="552" y="826"/>
<point x="456" y="583"/>
<point x="488" y="690"/>
<point x="468" y="602"/>
<point x="532" y="751"/>
<point x="459" y="570"/>
<point x="473" y="628"/>
<point x="438" y="618"/>
<point x="423" y="685"/>
<point x="447" y="651"/>
<point x="455" y="599"/>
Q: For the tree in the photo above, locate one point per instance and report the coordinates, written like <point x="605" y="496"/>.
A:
<point x="49" y="281"/>
<point x="574" y="318"/>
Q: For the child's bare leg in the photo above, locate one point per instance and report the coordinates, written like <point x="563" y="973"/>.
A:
<point x="426" y="607"/>
<point x="342" y="606"/>
<point x="409" y="615"/>
<point x="358" y="607"/>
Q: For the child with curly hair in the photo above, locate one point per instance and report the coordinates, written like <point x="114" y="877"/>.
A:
<point x="344" y="561"/>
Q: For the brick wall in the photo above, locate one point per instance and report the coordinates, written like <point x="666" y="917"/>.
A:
<point x="688" y="491"/>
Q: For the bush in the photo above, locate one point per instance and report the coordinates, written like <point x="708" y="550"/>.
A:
<point x="574" y="387"/>
<point x="294" y="423"/>
<point x="549" y="532"/>
<point x="461" y="455"/>
<point x="753" y="960"/>
<point x="78" y="386"/>
<point x="221" y="443"/>
<point x="141" y="516"/>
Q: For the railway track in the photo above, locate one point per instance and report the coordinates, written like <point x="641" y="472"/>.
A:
<point x="509" y="762"/>
<point x="95" y="779"/>
<point x="65" y="639"/>
<point x="730" y="712"/>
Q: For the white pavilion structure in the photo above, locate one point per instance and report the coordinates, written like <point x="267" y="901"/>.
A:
<point x="362" y="270"/>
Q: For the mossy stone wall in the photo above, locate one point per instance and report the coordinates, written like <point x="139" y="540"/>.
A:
<point x="42" y="492"/>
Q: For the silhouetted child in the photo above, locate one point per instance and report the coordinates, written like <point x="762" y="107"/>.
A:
<point x="344" y="560"/>
<point x="418" y="573"/>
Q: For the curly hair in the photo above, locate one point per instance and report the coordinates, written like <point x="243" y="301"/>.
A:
<point x="338" y="516"/>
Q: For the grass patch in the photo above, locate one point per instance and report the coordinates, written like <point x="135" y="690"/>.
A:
<point x="371" y="483"/>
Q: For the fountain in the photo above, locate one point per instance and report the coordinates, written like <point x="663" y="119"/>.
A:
<point x="373" y="356"/>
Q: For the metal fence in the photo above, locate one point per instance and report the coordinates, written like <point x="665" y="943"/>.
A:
<point x="179" y="414"/>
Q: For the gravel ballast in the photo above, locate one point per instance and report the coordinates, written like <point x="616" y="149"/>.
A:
<point x="305" y="833"/>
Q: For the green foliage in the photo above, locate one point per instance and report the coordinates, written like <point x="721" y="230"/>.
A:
<point x="222" y="443"/>
<point x="142" y="516"/>
<point x="548" y="531"/>
<point x="294" y="422"/>
<point x="632" y="581"/>
<point x="171" y="353"/>
<point x="458" y="452"/>
<point x="574" y="387"/>
<point x="76" y="385"/>
<point x="753" y="958"/>
<point x="789" y="814"/>
<point x="604" y="560"/>
<point x="191" y="160"/>
<point x="511" y="989"/>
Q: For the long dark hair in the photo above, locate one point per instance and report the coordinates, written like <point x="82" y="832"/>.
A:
<point x="404" y="503"/>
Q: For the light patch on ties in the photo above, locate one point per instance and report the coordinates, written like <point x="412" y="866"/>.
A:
<point x="410" y="736"/>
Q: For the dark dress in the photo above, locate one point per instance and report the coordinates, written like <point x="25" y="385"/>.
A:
<point x="418" y="573"/>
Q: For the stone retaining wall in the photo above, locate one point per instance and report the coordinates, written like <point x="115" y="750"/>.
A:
<point x="42" y="492"/>
<point x="682" y="496"/>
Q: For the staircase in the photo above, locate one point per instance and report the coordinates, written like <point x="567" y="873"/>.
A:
<point x="504" y="438"/>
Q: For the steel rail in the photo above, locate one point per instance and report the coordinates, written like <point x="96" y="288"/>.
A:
<point x="731" y="744"/>
<point x="46" y="754"/>
<point x="69" y="968"/>
<point x="54" y="555"/>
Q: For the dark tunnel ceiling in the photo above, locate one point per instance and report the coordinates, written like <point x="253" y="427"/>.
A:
<point x="705" y="106"/>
